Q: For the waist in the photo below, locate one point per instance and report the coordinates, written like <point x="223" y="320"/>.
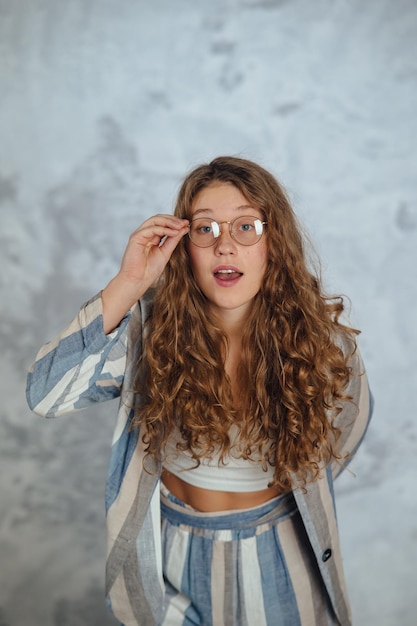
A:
<point x="217" y="498"/>
<point x="179" y="513"/>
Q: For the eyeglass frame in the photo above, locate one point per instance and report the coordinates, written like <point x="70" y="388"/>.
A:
<point x="230" y="223"/>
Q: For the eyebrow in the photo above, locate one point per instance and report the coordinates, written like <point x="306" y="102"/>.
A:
<point x="244" y="207"/>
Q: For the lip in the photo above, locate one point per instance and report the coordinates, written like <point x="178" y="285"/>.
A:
<point x="222" y="275"/>
<point x="226" y="268"/>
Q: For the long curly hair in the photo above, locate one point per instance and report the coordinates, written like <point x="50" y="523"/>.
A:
<point x="292" y="374"/>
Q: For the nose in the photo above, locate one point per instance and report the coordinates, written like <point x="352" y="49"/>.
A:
<point x="225" y="244"/>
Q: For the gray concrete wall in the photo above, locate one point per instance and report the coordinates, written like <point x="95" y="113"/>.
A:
<point x="103" y="107"/>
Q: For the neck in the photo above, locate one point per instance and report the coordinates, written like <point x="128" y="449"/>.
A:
<point x="233" y="324"/>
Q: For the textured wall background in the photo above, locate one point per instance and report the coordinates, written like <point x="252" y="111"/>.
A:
<point x="103" y="107"/>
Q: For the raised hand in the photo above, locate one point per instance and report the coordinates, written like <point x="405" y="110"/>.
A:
<point x="148" y="251"/>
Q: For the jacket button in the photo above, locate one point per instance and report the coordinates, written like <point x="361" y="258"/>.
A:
<point x="326" y="555"/>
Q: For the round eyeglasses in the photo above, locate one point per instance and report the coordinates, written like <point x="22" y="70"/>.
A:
<point x="246" y="230"/>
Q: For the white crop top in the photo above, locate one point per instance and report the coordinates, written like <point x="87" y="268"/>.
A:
<point x="234" y="474"/>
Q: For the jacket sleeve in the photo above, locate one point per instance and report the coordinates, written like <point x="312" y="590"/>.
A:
<point x="80" y="366"/>
<point x="356" y="414"/>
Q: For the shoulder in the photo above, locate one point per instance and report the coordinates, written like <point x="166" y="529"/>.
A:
<point x="146" y="303"/>
<point x="345" y="340"/>
<point x="139" y="314"/>
<point x="356" y="408"/>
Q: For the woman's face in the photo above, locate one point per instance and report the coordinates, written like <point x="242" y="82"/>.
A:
<point x="228" y="273"/>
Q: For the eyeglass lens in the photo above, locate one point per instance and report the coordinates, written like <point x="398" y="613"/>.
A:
<point x="246" y="230"/>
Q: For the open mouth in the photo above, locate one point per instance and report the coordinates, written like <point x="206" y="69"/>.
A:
<point x="227" y="274"/>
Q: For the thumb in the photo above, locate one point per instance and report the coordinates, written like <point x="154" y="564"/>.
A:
<point x="169" y="244"/>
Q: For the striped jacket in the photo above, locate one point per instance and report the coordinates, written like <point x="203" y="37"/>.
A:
<point x="82" y="366"/>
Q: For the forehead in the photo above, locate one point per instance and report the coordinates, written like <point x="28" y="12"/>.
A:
<point x="220" y="197"/>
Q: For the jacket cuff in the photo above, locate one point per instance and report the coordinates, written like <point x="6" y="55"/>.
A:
<point x="91" y="322"/>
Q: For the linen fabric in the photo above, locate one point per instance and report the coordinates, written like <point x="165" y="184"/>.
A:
<point x="82" y="366"/>
<point x="240" y="568"/>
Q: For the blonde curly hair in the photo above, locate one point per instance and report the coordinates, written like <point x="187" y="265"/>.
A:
<point x="292" y="374"/>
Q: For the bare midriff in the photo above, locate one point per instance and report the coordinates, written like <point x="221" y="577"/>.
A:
<point x="210" y="500"/>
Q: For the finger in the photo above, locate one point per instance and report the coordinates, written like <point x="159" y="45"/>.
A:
<point x="164" y="221"/>
<point x="151" y="232"/>
<point x="168" y="244"/>
<point x="174" y="236"/>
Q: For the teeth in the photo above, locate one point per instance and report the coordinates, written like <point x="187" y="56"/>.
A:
<point x="225" y="272"/>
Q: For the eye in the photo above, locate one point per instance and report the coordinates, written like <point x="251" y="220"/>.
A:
<point x="246" y="226"/>
<point x="205" y="229"/>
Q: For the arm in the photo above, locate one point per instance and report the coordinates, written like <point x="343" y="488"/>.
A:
<point x="148" y="251"/>
<point x="85" y="363"/>
<point x="80" y="366"/>
<point x="356" y="414"/>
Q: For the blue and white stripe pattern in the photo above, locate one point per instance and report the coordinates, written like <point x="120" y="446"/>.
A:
<point x="82" y="366"/>
<point x="240" y="568"/>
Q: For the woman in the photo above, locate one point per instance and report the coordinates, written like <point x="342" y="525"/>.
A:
<point x="242" y="397"/>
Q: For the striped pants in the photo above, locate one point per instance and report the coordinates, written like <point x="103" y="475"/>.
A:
<point x="251" y="567"/>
